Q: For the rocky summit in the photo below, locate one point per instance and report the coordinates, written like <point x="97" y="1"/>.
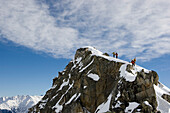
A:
<point x="94" y="82"/>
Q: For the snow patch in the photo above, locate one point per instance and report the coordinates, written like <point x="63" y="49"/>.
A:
<point x="118" y="104"/>
<point x="77" y="61"/>
<point x="130" y="76"/>
<point x="80" y="65"/>
<point x="84" y="87"/>
<point x="53" y="87"/>
<point x="138" y="69"/>
<point x="86" y="66"/>
<point x="163" y="105"/>
<point x="95" y="77"/>
<point x="126" y="75"/>
<point x="63" y="84"/>
<point x="42" y="105"/>
<point x="160" y="91"/>
<point x="104" y="107"/>
<point x="147" y="103"/>
<point x="118" y="95"/>
<point x="54" y="97"/>
<point x="77" y="96"/>
<point x="74" y="96"/>
<point x="59" y="107"/>
<point x="165" y="89"/>
<point x="131" y="107"/>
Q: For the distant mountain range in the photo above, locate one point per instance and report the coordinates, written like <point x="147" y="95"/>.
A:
<point x="18" y="104"/>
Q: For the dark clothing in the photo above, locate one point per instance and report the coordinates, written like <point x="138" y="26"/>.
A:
<point x="113" y="55"/>
<point x="116" y="55"/>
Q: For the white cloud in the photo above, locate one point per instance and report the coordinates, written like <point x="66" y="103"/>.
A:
<point x="29" y="24"/>
<point x="133" y="28"/>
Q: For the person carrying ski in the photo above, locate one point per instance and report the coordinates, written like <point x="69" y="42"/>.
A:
<point x="114" y="54"/>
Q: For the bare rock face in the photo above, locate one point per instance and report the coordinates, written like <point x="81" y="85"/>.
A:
<point x="96" y="83"/>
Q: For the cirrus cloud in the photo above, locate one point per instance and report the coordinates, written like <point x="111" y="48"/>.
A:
<point x="133" y="28"/>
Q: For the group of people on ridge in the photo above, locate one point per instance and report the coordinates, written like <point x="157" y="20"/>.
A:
<point x="115" y="55"/>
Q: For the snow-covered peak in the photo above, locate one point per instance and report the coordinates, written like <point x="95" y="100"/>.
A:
<point x="128" y="76"/>
<point x="104" y="82"/>
<point x="19" y="104"/>
<point x="96" y="52"/>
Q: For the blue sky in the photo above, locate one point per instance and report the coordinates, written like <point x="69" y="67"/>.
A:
<point x="39" y="37"/>
<point x="25" y="72"/>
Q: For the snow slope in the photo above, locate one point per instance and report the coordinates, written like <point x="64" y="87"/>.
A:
<point x="18" y="104"/>
<point x="163" y="105"/>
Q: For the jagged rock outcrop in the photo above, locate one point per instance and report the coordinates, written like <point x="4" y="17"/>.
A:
<point x="96" y="83"/>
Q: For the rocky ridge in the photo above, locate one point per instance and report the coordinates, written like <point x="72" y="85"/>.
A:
<point x="95" y="82"/>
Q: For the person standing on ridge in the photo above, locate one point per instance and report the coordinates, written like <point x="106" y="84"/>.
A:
<point x="114" y="54"/>
<point x="133" y="61"/>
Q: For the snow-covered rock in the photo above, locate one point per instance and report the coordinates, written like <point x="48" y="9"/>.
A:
<point x="97" y="83"/>
<point x="18" y="104"/>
